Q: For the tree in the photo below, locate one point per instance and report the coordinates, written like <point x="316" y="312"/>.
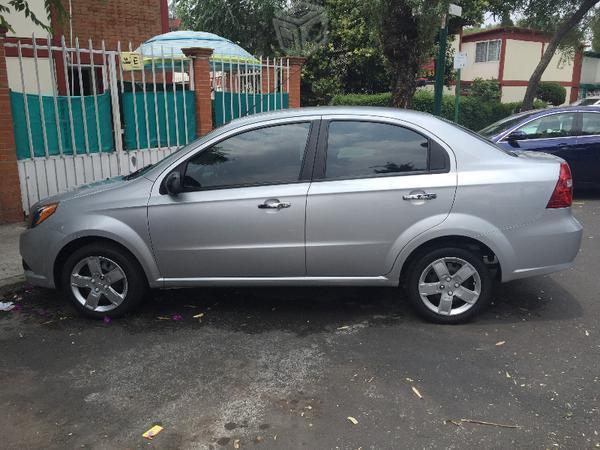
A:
<point x="23" y="7"/>
<point x="566" y="15"/>
<point x="407" y="31"/>
<point x="248" y="23"/>
<point x="350" y="61"/>
<point x="595" y="31"/>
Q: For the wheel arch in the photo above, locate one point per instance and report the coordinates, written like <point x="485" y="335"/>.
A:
<point x="80" y="242"/>
<point x="466" y="242"/>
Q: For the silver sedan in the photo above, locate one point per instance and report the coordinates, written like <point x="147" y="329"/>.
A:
<point x="315" y="196"/>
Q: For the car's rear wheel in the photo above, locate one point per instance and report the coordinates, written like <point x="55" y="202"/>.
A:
<point x="449" y="285"/>
<point x="103" y="280"/>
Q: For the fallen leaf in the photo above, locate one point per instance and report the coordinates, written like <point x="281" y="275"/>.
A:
<point x="198" y="316"/>
<point x="483" y="422"/>
<point x="508" y="375"/>
<point x="416" y="391"/>
<point x="152" y="432"/>
<point x="163" y="318"/>
<point x="500" y="343"/>
<point x="587" y="333"/>
<point x="345" y="327"/>
<point x="353" y="420"/>
<point x="236" y="443"/>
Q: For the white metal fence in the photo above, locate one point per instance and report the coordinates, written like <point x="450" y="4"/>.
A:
<point x="81" y="116"/>
<point x="243" y="87"/>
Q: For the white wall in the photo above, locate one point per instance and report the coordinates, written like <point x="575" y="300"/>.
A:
<point x="590" y="70"/>
<point x="14" y="75"/>
<point x="485" y="70"/>
<point x="520" y="59"/>
<point x="23" y="26"/>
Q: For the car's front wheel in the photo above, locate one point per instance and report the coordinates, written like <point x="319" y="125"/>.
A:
<point x="103" y="280"/>
<point x="449" y="285"/>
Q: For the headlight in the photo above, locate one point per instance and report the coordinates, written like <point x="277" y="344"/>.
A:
<point x="41" y="213"/>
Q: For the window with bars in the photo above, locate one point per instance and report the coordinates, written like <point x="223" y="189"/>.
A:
<point x="487" y="51"/>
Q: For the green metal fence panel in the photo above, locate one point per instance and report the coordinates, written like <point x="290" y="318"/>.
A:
<point x="223" y="111"/>
<point x="181" y="98"/>
<point x="19" y="109"/>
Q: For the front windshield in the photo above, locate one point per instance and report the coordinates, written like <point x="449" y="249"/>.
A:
<point x="504" y="124"/>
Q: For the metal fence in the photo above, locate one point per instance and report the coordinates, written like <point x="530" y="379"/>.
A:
<point x="81" y="115"/>
<point x="245" y="87"/>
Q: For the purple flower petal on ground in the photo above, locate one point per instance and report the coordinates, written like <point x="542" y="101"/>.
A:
<point x="177" y="317"/>
<point x="106" y="319"/>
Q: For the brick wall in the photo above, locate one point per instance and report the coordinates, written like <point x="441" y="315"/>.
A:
<point x="114" y="20"/>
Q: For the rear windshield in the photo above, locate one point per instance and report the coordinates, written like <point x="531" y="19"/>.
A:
<point x="504" y="124"/>
<point x="479" y="137"/>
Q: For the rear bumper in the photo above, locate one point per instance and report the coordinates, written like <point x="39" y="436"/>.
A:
<point x="548" y="245"/>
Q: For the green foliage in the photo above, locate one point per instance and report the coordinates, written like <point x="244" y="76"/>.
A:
<point x="595" y="31"/>
<point x="248" y="23"/>
<point x="485" y="89"/>
<point x="475" y="113"/>
<point x="22" y="6"/>
<point x="551" y="92"/>
<point x="350" y="62"/>
<point x="383" y="99"/>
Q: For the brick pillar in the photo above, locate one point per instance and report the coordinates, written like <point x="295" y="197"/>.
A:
<point x="296" y="63"/>
<point x="11" y="209"/>
<point x="200" y="57"/>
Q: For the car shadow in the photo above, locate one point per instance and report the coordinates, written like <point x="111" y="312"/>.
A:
<point x="299" y="310"/>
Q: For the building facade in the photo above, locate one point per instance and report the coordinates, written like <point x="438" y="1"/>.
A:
<point x="510" y="55"/>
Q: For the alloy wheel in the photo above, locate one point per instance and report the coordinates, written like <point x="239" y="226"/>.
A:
<point x="99" y="283"/>
<point x="449" y="286"/>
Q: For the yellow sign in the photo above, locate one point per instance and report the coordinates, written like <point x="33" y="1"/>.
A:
<point x="131" y="61"/>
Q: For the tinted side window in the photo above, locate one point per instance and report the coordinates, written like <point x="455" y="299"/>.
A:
<point x="363" y="149"/>
<point x="263" y="156"/>
<point x="553" y="125"/>
<point x="590" y="124"/>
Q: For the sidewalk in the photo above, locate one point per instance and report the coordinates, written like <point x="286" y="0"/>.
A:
<point x="11" y="270"/>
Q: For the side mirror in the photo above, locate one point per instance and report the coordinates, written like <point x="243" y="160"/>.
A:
<point x="173" y="183"/>
<point x="516" y="136"/>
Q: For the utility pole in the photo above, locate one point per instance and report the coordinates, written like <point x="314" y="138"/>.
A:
<point x="440" y="63"/>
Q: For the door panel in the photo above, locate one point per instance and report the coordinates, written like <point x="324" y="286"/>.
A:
<point x="224" y="233"/>
<point x="357" y="217"/>
<point x="587" y="150"/>
<point x="242" y="209"/>
<point x="357" y="227"/>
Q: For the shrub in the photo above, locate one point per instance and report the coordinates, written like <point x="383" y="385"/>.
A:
<point x="383" y="99"/>
<point x="475" y="113"/>
<point x="485" y="89"/>
<point x="551" y="92"/>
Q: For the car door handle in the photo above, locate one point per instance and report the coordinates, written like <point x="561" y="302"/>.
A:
<point x="423" y="196"/>
<point x="274" y="204"/>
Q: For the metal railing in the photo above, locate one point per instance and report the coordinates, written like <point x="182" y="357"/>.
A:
<point x="81" y="116"/>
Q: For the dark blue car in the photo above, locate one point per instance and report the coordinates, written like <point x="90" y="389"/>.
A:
<point x="571" y="132"/>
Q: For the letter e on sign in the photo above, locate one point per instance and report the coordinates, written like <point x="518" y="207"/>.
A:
<point x="131" y="61"/>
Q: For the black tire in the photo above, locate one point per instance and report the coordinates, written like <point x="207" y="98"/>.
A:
<point x="137" y="285"/>
<point x="421" y="263"/>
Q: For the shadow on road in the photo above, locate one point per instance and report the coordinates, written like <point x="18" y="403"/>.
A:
<point x="299" y="310"/>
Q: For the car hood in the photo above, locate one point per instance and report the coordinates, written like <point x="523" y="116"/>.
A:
<point x="85" y="190"/>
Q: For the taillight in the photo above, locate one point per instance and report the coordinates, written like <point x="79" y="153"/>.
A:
<point x="562" y="197"/>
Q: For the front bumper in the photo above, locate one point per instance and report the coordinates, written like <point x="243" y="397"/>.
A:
<point x="37" y="247"/>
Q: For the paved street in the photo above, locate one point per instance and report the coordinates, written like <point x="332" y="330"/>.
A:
<point x="285" y="368"/>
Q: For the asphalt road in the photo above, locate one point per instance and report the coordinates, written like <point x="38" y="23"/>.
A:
<point x="285" y="368"/>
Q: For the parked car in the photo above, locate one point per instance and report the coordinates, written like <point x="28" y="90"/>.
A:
<point x="588" y="101"/>
<point x="317" y="196"/>
<point x="571" y="132"/>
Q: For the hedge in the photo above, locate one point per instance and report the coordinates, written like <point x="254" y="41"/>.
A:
<point x="475" y="113"/>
